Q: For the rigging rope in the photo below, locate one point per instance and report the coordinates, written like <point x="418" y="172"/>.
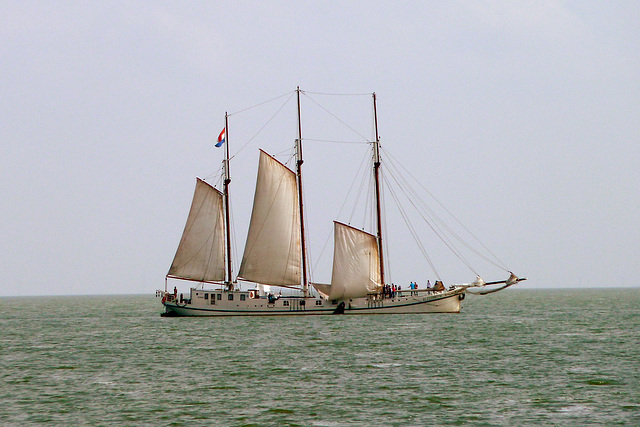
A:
<point x="413" y="231"/>
<point x="336" y="94"/>
<point x="495" y="261"/>
<point x="336" y="117"/>
<point x="432" y="224"/>
<point x="360" y="192"/>
<point x="356" y="177"/>
<point x="415" y="197"/>
<point x="445" y="233"/>
<point x="262" y="103"/>
<point x="336" y="142"/>
<point x="383" y="219"/>
<point x="234" y="244"/>
<point x="265" y="125"/>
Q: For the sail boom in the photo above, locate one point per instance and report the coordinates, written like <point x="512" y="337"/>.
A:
<point x="217" y="282"/>
<point x="297" y="288"/>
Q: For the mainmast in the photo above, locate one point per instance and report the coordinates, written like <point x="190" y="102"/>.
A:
<point x="227" y="179"/>
<point x="376" y="176"/>
<point x="305" y="282"/>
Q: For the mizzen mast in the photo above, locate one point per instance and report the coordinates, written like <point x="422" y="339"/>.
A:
<point x="299" y="162"/>
<point x="376" y="176"/>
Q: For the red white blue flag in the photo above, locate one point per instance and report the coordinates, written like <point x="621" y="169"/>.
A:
<point x="221" y="138"/>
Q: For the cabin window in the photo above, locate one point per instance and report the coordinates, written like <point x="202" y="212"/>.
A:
<point x="302" y="302"/>
<point x="318" y="302"/>
<point x="243" y="297"/>
<point x="206" y="296"/>
<point x="219" y="296"/>
<point x="213" y="300"/>
<point x="230" y="297"/>
<point x="285" y="303"/>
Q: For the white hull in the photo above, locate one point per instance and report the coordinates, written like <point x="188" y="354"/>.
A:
<point x="239" y="303"/>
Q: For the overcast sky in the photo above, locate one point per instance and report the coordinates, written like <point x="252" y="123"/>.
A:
<point x="523" y="118"/>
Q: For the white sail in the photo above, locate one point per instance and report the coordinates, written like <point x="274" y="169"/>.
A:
<point x="272" y="254"/>
<point x="356" y="263"/>
<point x="200" y="254"/>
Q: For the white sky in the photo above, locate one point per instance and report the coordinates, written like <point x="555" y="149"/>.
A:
<point x="522" y="117"/>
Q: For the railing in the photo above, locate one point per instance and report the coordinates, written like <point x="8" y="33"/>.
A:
<point x="407" y="293"/>
<point x="166" y="296"/>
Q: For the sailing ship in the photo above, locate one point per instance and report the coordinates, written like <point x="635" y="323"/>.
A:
<point x="275" y="255"/>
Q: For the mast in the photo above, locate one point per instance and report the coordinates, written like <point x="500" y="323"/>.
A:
<point x="376" y="176"/>
<point x="227" y="180"/>
<point x="305" y="283"/>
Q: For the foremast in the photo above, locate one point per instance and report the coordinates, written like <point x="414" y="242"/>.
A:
<point x="206" y="238"/>
<point x="227" y="180"/>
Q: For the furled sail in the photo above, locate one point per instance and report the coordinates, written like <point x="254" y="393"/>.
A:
<point x="479" y="281"/>
<point x="200" y="254"/>
<point x="323" y="289"/>
<point x="356" y="263"/>
<point x="272" y="254"/>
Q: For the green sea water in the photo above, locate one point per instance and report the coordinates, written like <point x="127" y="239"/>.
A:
<point x="518" y="357"/>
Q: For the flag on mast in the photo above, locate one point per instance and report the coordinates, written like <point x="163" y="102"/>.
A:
<point x="221" y="138"/>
